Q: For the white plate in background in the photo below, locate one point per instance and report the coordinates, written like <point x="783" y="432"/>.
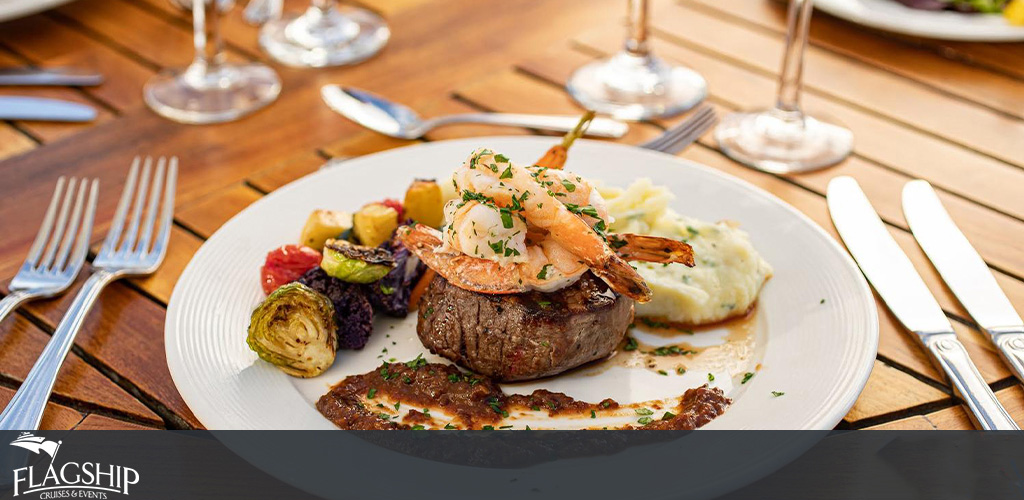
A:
<point x="891" y="15"/>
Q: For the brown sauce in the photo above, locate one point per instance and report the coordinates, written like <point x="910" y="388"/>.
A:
<point x="680" y="356"/>
<point x="373" y="401"/>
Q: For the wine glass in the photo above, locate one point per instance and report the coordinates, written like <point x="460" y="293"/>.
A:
<point x="325" y="35"/>
<point x="783" y="139"/>
<point x="211" y="90"/>
<point x="634" y="84"/>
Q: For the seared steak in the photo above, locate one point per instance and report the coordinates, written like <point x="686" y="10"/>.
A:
<point x="523" y="336"/>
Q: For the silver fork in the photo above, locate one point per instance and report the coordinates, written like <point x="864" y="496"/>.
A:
<point x="50" y="268"/>
<point x="137" y="253"/>
<point x="684" y="133"/>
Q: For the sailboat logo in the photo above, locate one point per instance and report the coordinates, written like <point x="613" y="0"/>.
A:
<point x="37" y="444"/>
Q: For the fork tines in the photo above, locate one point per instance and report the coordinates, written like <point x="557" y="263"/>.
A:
<point x="135" y="243"/>
<point x="675" y="139"/>
<point x="56" y="249"/>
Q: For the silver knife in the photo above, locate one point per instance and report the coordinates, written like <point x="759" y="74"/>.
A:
<point x="37" y="108"/>
<point x="965" y="272"/>
<point x="49" y="76"/>
<point x="901" y="288"/>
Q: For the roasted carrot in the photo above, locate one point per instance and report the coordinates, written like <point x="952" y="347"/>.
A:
<point x="421" y="286"/>
<point x="556" y="156"/>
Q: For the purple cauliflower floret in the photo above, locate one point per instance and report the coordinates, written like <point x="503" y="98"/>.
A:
<point x="353" y="313"/>
<point x="391" y="293"/>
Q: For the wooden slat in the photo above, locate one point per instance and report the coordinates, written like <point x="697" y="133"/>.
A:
<point x="207" y="214"/>
<point x="21" y="342"/>
<point x="955" y="418"/>
<point x="970" y="83"/>
<point x="124" y="332"/>
<point x="94" y="422"/>
<point x="828" y="74"/>
<point x="875" y="139"/>
<point x="13" y="142"/>
<point x="891" y="391"/>
<point x="151" y="37"/>
<point x="55" y="417"/>
<point x="987" y="229"/>
<point x="45" y="41"/>
<point x="277" y="175"/>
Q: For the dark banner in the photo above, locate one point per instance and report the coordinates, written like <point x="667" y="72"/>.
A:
<point x="511" y="464"/>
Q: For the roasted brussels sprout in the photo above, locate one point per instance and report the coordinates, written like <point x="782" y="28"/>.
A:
<point x="374" y="224"/>
<point x="323" y="225"/>
<point x="355" y="263"/>
<point x="391" y="294"/>
<point x="294" y="329"/>
<point x="352" y="311"/>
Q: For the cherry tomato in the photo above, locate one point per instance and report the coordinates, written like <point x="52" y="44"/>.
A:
<point x="286" y="264"/>
<point x="397" y="205"/>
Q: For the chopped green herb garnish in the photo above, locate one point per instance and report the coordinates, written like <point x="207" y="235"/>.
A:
<point x="506" y="218"/>
<point x="631" y="344"/>
<point x="644" y="420"/>
<point x="711" y="378"/>
<point x="371" y="393"/>
<point x="777" y="393"/>
<point x="386" y="290"/>
<point x="544" y="303"/>
<point x="593" y="414"/>
<point x="505" y="427"/>
<point x="746" y="377"/>
<point x="822" y="301"/>
<point x="543" y="274"/>
<point x="398" y="405"/>
<point x="449" y="426"/>
<point x="570" y="187"/>
<point x="418" y="427"/>
<point x="500" y="158"/>
<point x="662" y="372"/>
<point x="668" y="415"/>
<point x="488" y="427"/>
<point x="680" y="370"/>
<point x="692" y="230"/>
<point x="507" y="174"/>
<point x="644" y="411"/>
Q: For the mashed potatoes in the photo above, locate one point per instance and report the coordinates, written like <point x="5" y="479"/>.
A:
<point x="729" y="273"/>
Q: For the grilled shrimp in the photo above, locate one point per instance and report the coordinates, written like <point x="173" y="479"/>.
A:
<point x="546" y="266"/>
<point x="494" y="179"/>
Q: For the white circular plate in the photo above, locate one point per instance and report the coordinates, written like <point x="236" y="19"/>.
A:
<point x="13" y="9"/>
<point x="816" y="334"/>
<point x="891" y="15"/>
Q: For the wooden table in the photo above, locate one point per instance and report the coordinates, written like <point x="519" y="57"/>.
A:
<point x="951" y="113"/>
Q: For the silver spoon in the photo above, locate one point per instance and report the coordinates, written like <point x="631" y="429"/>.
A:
<point x="393" y="119"/>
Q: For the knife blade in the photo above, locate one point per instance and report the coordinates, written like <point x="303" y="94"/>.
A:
<point x="49" y="76"/>
<point x="964" y="271"/>
<point x="37" y="108"/>
<point x="893" y="276"/>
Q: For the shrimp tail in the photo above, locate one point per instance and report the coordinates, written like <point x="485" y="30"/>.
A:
<point x="639" y="247"/>
<point x="463" y="271"/>
<point x="622" y="278"/>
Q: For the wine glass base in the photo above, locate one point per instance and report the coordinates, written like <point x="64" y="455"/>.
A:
<point x="317" y="38"/>
<point x="780" y="142"/>
<point x="632" y="87"/>
<point x="227" y="93"/>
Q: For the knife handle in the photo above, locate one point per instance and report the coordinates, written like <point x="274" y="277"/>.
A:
<point x="986" y="410"/>
<point x="1010" y="342"/>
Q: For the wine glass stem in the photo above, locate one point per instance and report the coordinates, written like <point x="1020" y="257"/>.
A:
<point x="791" y="76"/>
<point x="325" y="6"/>
<point x="636" y="42"/>
<point x="208" y="42"/>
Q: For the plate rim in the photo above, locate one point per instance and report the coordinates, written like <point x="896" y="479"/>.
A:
<point x="843" y="9"/>
<point x="825" y="420"/>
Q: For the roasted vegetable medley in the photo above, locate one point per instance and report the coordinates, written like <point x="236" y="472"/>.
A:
<point x="322" y="292"/>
